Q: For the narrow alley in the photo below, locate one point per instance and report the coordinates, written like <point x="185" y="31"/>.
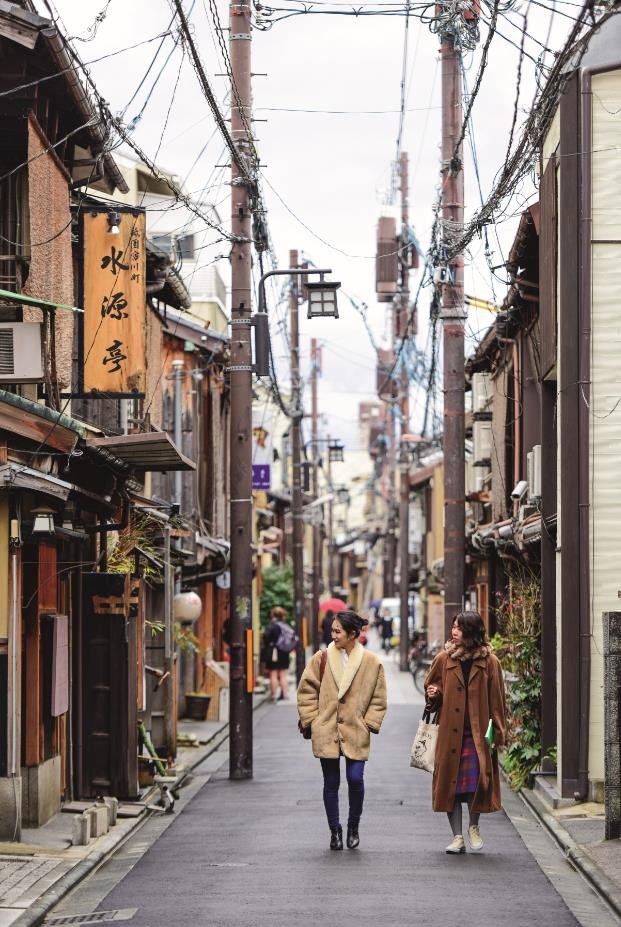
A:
<point x="256" y="853"/>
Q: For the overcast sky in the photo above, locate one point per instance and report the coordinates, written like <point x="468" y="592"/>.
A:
<point x="331" y="170"/>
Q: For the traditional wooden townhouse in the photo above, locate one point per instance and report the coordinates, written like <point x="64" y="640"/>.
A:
<point x="581" y="415"/>
<point x="94" y="543"/>
<point x="427" y="536"/>
<point x="503" y="460"/>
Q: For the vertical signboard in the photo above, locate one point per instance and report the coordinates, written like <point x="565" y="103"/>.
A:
<point x="262" y="439"/>
<point x="114" y="300"/>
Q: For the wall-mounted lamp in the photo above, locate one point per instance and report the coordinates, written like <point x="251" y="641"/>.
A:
<point x="43" y="520"/>
<point x="114" y="219"/>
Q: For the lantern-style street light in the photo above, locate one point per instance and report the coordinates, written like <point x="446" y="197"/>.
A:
<point x="342" y="495"/>
<point x="322" y="298"/>
<point x="335" y="451"/>
<point x="321" y="304"/>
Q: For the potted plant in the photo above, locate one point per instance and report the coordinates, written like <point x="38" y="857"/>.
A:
<point x="197" y="705"/>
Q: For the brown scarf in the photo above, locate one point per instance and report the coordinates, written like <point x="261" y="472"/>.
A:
<point x="459" y="652"/>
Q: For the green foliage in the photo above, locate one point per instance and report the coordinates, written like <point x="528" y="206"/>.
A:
<point x="277" y="590"/>
<point x="186" y="640"/>
<point x="518" y="647"/>
<point x="140" y="532"/>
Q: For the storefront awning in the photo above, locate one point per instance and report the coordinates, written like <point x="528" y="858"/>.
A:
<point x="18" y="476"/>
<point x="149" y="451"/>
<point x="38" y="423"/>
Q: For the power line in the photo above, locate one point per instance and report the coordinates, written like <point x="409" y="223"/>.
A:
<point x="208" y="93"/>
<point x="61" y="71"/>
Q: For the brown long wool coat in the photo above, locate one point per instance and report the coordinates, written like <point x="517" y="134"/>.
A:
<point x="486" y="699"/>
<point x="346" y="707"/>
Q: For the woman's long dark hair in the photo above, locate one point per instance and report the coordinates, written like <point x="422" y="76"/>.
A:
<point x="472" y="627"/>
<point x="351" y="621"/>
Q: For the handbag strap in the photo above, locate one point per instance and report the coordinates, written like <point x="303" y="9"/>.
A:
<point x="430" y="717"/>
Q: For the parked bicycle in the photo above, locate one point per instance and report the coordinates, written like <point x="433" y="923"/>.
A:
<point x="420" y="659"/>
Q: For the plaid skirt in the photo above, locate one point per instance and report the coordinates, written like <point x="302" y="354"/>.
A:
<point x="468" y="776"/>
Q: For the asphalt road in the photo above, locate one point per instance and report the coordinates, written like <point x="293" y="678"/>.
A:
<point x="255" y="854"/>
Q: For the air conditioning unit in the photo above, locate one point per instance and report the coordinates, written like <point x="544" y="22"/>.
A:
<point x="525" y="511"/>
<point x="481" y="392"/>
<point x="481" y="443"/>
<point x="481" y="480"/>
<point x="21" y="358"/>
<point x="533" y="472"/>
<point x="469" y="477"/>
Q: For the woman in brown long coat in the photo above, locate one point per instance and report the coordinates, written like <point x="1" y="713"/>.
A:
<point x="465" y="683"/>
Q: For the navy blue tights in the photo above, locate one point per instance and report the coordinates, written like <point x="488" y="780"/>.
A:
<point x="354" y="770"/>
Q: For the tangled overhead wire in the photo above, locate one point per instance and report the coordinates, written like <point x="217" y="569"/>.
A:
<point x="458" y="21"/>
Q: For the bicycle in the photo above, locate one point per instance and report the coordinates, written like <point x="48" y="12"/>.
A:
<point x="419" y="672"/>
<point x="421" y="658"/>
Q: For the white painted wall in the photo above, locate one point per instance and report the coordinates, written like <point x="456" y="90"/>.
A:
<point x="605" y="399"/>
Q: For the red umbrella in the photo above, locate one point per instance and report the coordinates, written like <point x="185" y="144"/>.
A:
<point x="332" y="605"/>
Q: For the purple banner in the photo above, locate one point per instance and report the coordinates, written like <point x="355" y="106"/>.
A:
<point x="261" y="476"/>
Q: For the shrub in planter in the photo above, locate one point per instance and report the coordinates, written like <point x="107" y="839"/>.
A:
<point x="196" y="705"/>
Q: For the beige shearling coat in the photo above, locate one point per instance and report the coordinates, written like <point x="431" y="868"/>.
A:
<point x="349" y="704"/>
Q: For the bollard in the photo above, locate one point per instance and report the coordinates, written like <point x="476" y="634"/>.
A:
<point x="112" y="804"/>
<point x="80" y="829"/>
<point x="98" y="815"/>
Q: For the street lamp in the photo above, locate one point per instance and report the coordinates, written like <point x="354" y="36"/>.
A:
<point x="335" y="451"/>
<point x="322" y="295"/>
<point x="322" y="298"/>
<point x="342" y="495"/>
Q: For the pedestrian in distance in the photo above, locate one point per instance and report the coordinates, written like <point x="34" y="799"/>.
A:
<point x="279" y="640"/>
<point x="342" y="700"/>
<point x="465" y="685"/>
<point x="386" y="630"/>
<point x="326" y="628"/>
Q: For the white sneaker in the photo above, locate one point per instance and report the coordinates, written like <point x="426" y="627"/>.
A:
<point x="456" y="845"/>
<point x="474" y="838"/>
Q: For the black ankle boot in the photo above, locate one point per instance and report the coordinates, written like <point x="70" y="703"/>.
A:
<point x="336" y="838"/>
<point x="353" y="837"/>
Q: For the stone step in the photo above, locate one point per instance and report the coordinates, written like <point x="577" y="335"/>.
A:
<point x="545" y="789"/>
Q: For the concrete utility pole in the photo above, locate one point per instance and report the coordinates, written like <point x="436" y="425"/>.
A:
<point x="296" y="460"/>
<point x="453" y="317"/>
<point x="390" y="540"/>
<point x="404" y="469"/>
<point x="331" y="558"/>
<point x="241" y="682"/>
<point x="314" y="635"/>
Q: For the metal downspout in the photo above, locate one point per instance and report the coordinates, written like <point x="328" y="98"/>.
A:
<point x="584" y="376"/>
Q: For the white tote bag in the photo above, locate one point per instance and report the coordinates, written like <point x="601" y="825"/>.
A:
<point x="423" y="753"/>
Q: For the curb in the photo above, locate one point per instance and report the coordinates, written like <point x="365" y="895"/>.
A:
<point x="35" y="914"/>
<point x="577" y="856"/>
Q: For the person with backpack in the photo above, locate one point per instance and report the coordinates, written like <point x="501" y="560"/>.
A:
<point x="341" y="702"/>
<point x="279" y="641"/>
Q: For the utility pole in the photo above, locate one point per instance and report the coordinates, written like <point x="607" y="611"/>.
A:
<point x="296" y="459"/>
<point x="314" y="635"/>
<point x="331" y="576"/>
<point x="404" y="469"/>
<point x="453" y="317"/>
<point x="389" y="548"/>
<point x="241" y="682"/>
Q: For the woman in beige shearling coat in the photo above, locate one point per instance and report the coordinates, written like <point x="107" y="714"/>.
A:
<point x="342" y="698"/>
